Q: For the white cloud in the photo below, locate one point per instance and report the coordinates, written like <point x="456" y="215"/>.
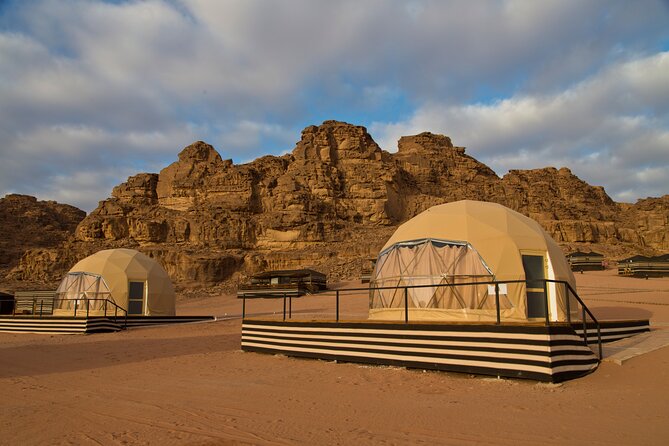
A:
<point x="607" y="128"/>
<point x="116" y="86"/>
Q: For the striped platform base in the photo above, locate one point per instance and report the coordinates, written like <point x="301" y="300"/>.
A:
<point x="613" y="330"/>
<point x="92" y="324"/>
<point x="58" y="325"/>
<point x="544" y="353"/>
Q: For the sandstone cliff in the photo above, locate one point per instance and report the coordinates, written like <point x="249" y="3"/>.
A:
<point x="330" y="204"/>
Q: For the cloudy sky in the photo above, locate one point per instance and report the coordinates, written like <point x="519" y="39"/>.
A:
<point x="92" y="92"/>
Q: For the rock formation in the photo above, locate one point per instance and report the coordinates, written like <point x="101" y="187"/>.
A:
<point x="28" y="224"/>
<point x="330" y="204"/>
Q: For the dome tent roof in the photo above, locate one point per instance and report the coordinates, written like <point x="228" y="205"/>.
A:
<point x="121" y="266"/>
<point x="500" y="236"/>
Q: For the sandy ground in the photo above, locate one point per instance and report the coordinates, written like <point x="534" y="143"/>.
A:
<point x="193" y="385"/>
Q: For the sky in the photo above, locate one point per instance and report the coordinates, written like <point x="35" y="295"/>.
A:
<point x="92" y="92"/>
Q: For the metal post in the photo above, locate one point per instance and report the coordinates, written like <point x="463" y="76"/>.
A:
<point x="284" y="306"/>
<point x="585" y="328"/>
<point x="243" y="306"/>
<point x="497" y="302"/>
<point x="290" y="307"/>
<point x="75" y="307"/>
<point x="406" y="305"/>
<point x="337" y="305"/>
<point x="548" y="322"/>
<point x="105" y="304"/>
<point x="88" y="306"/>
<point x="599" y="341"/>
<point x="41" y="307"/>
<point x="566" y="294"/>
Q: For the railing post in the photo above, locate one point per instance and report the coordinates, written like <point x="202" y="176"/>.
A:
<point x="497" y="302"/>
<point x="337" y="305"/>
<point x="599" y="341"/>
<point x="284" y="306"/>
<point x="88" y="307"/>
<point x="548" y="322"/>
<point x="290" y="307"/>
<point x="406" y="305"/>
<point x="566" y="294"/>
<point x="585" y="327"/>
<point x="41" y="307"/>
<point x="105" y="304"/>
<point x="75" y="307"/>
<point x="243" y="306"/>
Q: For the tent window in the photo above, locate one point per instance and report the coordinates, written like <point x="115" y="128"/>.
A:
<point x="136" y="298"/>
<point x="420" y="265"/>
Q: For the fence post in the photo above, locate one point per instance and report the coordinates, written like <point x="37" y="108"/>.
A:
<point x="290" y="307"/>
<point x="105" y="304"/>
<point x="284" y="306"/>
<point x="243" y="306"/>
<point x="88" y="307"/>
<point x="585" y="328"/>
<point x="566" y="294"/>
<point x="497" y="302"/>
<point x="548" y="322"/>
<point x="599" y="341"/>
<point x="406" y="305"/>
<point x="75" y="307"/>
<point x="337" y="305"/>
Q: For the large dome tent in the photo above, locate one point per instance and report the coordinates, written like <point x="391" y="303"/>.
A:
<point x="469" y="242"/>
<point x="127" y="277"/>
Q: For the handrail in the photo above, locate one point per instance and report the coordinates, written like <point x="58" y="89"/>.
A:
<point x="405" y="288"/>
<point x="87" y="301"/>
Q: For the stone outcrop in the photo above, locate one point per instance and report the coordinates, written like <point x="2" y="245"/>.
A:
<point x="26" y="223"/>
<point x="330" y="204"/>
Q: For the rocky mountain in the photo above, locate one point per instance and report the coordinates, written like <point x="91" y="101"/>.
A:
<point x="330" y="204"/>
<point x="26" y="223"/>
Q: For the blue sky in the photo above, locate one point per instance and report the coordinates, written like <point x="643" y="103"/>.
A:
<point x="92" y="92"/>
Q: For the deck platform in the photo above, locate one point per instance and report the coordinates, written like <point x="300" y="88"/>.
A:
<point x="551" y="353"/>
<point x="87" y="325"/>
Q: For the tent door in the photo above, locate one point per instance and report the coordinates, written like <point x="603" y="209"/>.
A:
<point x="535" y="273"/>
<point x="136" y="298"/>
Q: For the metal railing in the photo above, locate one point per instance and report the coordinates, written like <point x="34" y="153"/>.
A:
<point x="568" y="291"/>
<point x="81" y="308"/>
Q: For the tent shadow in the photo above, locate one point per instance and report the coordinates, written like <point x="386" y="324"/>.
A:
<point x="614" y="313"/>
<point x="41" y="359"/>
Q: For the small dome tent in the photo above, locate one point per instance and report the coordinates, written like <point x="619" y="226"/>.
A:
<point x="126" y="277"/>
<point x="464" y="245"/>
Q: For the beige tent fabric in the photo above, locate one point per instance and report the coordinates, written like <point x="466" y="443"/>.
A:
<point x="119" y="267"/>
<point x="498" y="235"/>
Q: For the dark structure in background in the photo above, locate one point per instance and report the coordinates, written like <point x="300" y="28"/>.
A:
<point x="586" y="261"/>
<point x="284" y="283"/>
<point x="642" y="266"/>
<point x="6" y="303"/>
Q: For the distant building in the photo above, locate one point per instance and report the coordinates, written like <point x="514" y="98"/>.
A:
<point x="585" y="261"/>
<point x="288" y="283"/>
<point x="642" y="266"/>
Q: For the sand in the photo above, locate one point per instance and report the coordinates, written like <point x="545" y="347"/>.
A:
<point x="192" y="384"/>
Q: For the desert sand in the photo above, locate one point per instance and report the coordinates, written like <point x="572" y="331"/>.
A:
<point x="191" y="384"/>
